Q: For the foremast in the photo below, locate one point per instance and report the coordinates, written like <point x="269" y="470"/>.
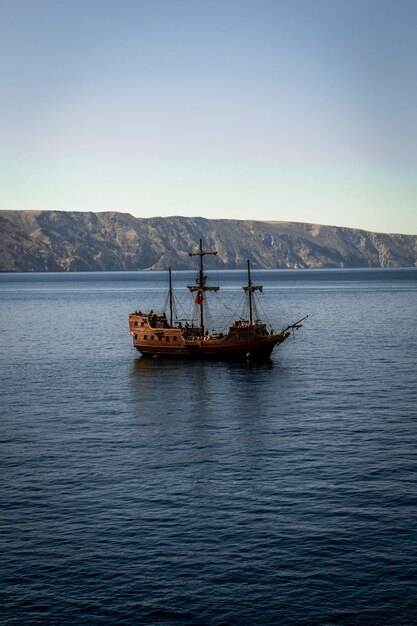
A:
<point x="200" y="287"/>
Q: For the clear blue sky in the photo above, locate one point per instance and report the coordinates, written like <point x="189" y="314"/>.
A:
<point x="303" y="110"/>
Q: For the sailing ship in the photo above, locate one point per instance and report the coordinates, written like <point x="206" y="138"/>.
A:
<point x="164" y="335"/>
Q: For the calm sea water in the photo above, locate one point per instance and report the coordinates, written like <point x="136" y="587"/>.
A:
<point x="139" y="491"/>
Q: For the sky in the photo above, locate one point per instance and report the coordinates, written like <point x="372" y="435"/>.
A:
<point x="296" y="110"/>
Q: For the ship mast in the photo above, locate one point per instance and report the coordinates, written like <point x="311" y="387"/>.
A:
<point x="170" y="297"/>
<point x="249" y="289"/>
<point x="200" y="287"/>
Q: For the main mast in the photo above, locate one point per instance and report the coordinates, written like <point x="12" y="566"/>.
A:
<point x="249" y="289"/>
<point x="200" y="287"/>
<point x="170" y="297"/>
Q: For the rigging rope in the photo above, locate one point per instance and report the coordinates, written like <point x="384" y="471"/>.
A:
<point x="227" y="319"/>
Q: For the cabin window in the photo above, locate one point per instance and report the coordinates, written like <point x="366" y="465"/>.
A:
<point x="151" y="337"/>
<point x="159" y="337"/>
<point x="145" y="336"/>
<point x="135" y="323"/>
<point x="175" y="338"/>
<point x="167" y="338"/>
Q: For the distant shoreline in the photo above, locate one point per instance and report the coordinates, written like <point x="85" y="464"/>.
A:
<point x="70" y="241"/>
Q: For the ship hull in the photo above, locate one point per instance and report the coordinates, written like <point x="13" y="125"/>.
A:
<point x="242" y="342"/>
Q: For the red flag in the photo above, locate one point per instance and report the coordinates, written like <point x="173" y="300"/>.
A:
<point x="199" y="297"/>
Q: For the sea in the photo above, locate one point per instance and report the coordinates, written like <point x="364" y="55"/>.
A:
<point x="165" y="492"/>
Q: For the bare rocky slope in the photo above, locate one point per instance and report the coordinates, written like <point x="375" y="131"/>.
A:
<point x="75" y="241"/>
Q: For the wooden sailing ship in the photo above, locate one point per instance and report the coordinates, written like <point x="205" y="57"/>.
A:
<point x="160" y="334"/>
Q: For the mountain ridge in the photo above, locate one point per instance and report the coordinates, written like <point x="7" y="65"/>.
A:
<point x="35" y="240"/>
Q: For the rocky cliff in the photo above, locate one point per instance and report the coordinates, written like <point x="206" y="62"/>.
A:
<point x="74" y="241"/>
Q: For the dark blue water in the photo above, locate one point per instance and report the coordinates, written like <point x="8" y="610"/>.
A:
<point x="141" y="491"/>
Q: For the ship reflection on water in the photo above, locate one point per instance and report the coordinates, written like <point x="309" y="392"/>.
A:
<point x="202" y="419"/>
<point x="183" y="391"/>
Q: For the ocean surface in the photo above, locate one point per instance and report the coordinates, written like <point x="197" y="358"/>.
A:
<point x="151" y="491"/>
